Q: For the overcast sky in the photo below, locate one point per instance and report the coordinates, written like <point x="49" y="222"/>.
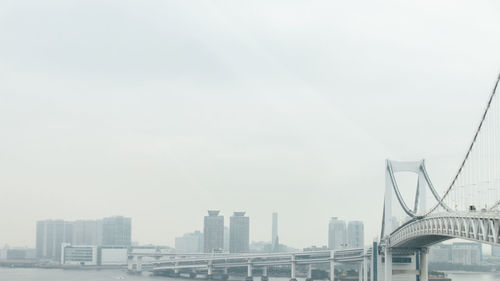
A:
<point x="160" y="110"/>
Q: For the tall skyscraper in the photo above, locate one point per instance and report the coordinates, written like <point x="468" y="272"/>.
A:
<point x="239" y="233"/>
<point x="274" y="234"/>
<point x="213" y="232"/>
<point x="355" y="234"/>
<point x="87" y="232"/>
<point x="116" y="231"/>
<point x="336" y="234"/>
<point x="50" y="234"/>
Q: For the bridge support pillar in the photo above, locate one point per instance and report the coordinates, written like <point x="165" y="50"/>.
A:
<point x="293" y="264"/>
<point x="424" y="265"/>
<point x="332" y="266"/>
<point x="130" y="263"/>
<point x="265" y="276"/>
<point x="309" y="273"/>
<point x="176" y="270"/>
<point x="138" y="268"/>
<point x="360" y="271"/>
<point x="209" y="270"/>
<point x="249" y="271"/>
<point x="374" y="263"/>
<point x="365" y="269"/>
<point x="388" y="265"/>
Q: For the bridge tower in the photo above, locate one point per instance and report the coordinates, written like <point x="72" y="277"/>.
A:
<point x="416" y="258"/>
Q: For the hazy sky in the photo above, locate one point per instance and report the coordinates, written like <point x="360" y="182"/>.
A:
<point x="160" y="110"/>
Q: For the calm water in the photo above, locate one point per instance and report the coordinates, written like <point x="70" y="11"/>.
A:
<point x="35" y="274"/>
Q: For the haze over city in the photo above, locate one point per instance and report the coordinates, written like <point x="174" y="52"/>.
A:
<point x="160" y="111"/>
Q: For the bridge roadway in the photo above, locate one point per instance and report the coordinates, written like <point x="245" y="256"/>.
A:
<point x="221" y="262"/>
<point x="478" y="226"/>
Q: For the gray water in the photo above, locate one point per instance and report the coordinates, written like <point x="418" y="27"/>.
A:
<point x="37" y="274"/>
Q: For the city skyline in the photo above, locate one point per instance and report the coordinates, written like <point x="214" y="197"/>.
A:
<point x="238" y="109"/>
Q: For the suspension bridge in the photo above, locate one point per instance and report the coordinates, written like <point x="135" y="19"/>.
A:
<point x="469" y="209"/>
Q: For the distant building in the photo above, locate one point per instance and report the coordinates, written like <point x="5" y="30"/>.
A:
<point x="17" y="254"/>
<point x="79" y="255"/>
<point x="239" y="233"/>
<point x="274" y="233"/>
<point x="495" y="251"/>
<point x="213" y="232"/>
<point x="315" y="248"/>
<point x="336" y="234"/>
<point x="355" y="234"/>
<point x="87" y="232"/>
<point x="395" y="223"/>
<point x="50" y="234"/>
<point x="440" y="253"/>
<point x="116" y="231"/>
<point x="466" y="253"/>
<point x="226" y="239"/>
<point x="189" y="243"/>
<point x="108" y="255"/>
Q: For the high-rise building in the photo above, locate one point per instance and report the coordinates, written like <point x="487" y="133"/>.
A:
<point x="50" y="234"/>
<point x="466" y="253"/>
<point x="226" y="239"/>
<point x="87" y="232"/>
<point x="355" y="234"/>
<point x="336" y="234"/>
<point x="440" y="253"/>
<point x="239" y="233"/>
<point x="274" y="234"/>
<point x="116" y="231"/>
<point x="213" y="232"/>
<point x="189" y="243"/>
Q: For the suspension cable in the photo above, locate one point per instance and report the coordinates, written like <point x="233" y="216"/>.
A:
<point x="469" y="150"/>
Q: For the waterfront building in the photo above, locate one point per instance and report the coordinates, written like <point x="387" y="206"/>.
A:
<point x="336" y="234"/>
<point x="50" y="234"/>
<point x="440" y="253"/>
<point x="213" y="232"/>
<point x="239" y="233"/>
<point x="355" y="234"/>
<point x="78" y="255"/>
<point x="189" y="243"/>
<point x="87" y="232"/>
<point x="116" y="231"/>
<point x="112" y="255"/>
<point x="466" y="253"/>
<point x="17" y="254"/>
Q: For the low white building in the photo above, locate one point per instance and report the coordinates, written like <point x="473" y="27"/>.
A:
<point x="113" y="255"/>
<point x="78" y="255"/>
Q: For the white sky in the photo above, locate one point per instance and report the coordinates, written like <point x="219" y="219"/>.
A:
<point x="160" y="110"/>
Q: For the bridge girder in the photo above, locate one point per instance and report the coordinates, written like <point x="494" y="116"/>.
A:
<point x="483" y="227"/>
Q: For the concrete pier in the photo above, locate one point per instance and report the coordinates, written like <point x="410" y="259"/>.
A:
<point x="388" y="264"/>
<point x="265" y="276"/>
<point x="332" y="266"/>
<point x="249" y="271"/>
<point x="424" y="266"/>
<point x="293" y="269"/>
<point x="309" y="273"/>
